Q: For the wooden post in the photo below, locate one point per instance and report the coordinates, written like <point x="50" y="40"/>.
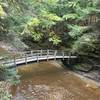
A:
<point x="69" y="58"/>
<point x="41" y="52"/>
<point x="25" y="58"/>
<point x="55" y="53"/>
<point x="31" y="53"/>
<point x="14" y="60"/>
<point x="47" y="55"/>
<point x="63" y="54"/>
<point x="37" y="57"/>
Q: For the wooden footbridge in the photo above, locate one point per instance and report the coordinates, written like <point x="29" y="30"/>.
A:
<point x="38" y="55"/>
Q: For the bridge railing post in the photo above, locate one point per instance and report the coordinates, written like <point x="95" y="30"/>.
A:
<point x="41" y="52"/>
<point x="63" y="54"/>
<point x="25" y="58"/>
<point x="14" y="60"/>
<point x="55" y="54"/>
<point x="31" y="53"/>
<point x="69" y="58"/>
<point x="37" y="57"/>
<point x="47" y="55"/>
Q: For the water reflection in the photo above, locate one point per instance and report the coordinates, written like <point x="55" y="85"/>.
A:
<point x="50" y="81"/>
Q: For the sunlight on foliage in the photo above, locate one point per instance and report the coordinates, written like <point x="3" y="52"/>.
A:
<point x="2" y="13"/>
<point x="52" y="1"/>
<point x="54" y="38"/>
<point x="37" y="36"/>
<point x="50" y="16"/>
<point x="46" y="23"/>
<point x="34" y="22"/>
<point x="70" y="16"/>
<point x="37" y="18"/>
<point x="72" y="4"/>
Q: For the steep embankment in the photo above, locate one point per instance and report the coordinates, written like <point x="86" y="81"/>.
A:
<point x="13" y="46"/>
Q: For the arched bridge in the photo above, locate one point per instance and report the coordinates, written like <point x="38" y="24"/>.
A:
<point x="38" y="55"/>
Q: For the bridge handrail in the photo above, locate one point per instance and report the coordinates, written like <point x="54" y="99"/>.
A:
<point x="36" y="54"/>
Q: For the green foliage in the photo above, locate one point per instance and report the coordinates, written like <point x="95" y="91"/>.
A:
<point x="8" y="77"/>
<point x="54" y="38"/>
<point x="34" y="22"/>
<point x="85" y="44"/>
<point x="37" y="36"/>
<point x="50" y="16"/>
<point x="39" y="18"/>
<point x="12" y="76"/>
<point x="76" y="31"/>
<point x="9" y="74"/>
<point x="4" y="91"/>
<point x="50" y="20"/>
<point x="45" y="21"/>
<point x="2" y="13"/>
<point x="47" y="24"/>
<point x="70" y="16"/>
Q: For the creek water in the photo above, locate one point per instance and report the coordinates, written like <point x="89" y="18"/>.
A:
<point x="50" y="81"/>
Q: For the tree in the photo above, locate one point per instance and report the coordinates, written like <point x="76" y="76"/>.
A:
<point x="57" y="21"/>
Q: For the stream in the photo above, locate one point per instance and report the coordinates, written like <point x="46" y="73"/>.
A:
<point x="50" y="81"/>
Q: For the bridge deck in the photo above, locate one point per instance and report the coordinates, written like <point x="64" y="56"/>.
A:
<point x="36" y="56"/>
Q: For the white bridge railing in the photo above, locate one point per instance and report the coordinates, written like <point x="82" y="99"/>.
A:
<point x="36" y="56"/>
